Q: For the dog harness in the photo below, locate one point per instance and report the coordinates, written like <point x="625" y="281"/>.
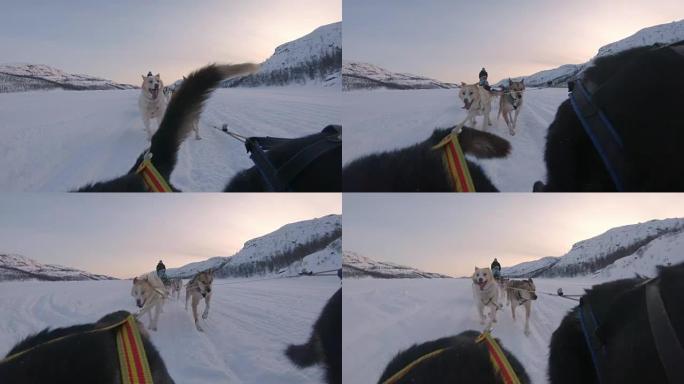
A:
<point x="133" y="363"/>
<point x="456" y="163"/>
<point x="670" y="351"/>
<point x="153" y="180"/>
<point x="501" y="364"/>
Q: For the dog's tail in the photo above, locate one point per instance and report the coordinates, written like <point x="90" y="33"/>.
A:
<point x="184" y="107"/>
<point x="304" y="355"/>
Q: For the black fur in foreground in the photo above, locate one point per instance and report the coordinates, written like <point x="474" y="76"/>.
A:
<point x="641" y="92"/>
<point x="83" y="358"/>
<point x="420" y="168"/>
<point x="325" y="344"/>
<point x="631" y="356"/>
<point x="463" y="362"/>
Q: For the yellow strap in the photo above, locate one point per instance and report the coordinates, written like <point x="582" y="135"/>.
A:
<point x="498" y="358"/>
<point x="399" y="375"/>
<point x="135" y="368"/>
<point x="455" y="162"/>
<point x="154" y="181"/>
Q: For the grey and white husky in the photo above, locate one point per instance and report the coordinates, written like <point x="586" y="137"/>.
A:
<point x="521" y="293"/>
<point x="511" y="103"/>
<point x="198" y="288"/>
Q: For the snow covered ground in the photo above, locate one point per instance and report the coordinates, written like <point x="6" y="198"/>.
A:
<point x="60" y="140"/>
<point x="383" y="317"/>
<point x="382" y="120"/>
<point x="249" y="324"/>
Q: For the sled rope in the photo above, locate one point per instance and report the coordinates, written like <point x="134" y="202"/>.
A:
<point x="154" y="181"/>
<point x="456" y="163"/>
<point x="399" y="375"/>
<point x="132" y="358"/>
<point x="499" y="360"/>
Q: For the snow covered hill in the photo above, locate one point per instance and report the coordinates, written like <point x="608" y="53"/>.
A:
<point x="619" y="252"/>
<point x="313" y="58"/>
<point x="355" y="265"/>
<point x="17" y="267"/>
<point x="25" y="77"/>
<point x="310" y="245"/>
<point x="368" y="76"/>
<point x="659" y="34"/>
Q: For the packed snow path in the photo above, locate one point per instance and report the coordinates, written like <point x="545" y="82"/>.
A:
<point x="61" y="140"/>
<point x="382" y="317"/>
<point x="249" y="324"/>
<point x="381" y="120"/>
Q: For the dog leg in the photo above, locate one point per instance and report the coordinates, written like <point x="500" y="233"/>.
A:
<point x="480" y="311"/>
<point x="513" y="310"/>
<point x="195" y="127"/>
<point x="154" y="316"/>
<point x="187" y="297"/>
<point x="195" y="303"/>
<point x="492" y="313"/>
<point x="528" y="308"/>
<point x="207" y="300"/>
<point x="146" y="121"/>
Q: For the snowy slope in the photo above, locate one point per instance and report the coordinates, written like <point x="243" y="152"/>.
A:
<point x="265" y="248"/>
<point x="249" y="325"/>
<point x="380" y="120"/>
<point x="73" y="138"/>
<point x="17" y="267"/>
<point x="382" y="317"/>
<point x="659" y="34"/>
<point x="355" y="265"/>
<point x="313" y="58"/>
<point x="327" y="259"/>
<point x="529" y="268"/>
<point x="21" y="76"/>
<point x="368" y="76"/>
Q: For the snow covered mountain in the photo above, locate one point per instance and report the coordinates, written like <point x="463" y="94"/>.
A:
<point x="368" y="76"/>
<point x="619" y="252"/>
<point x="314" y="58"/>
<point x="26" y="77"/>
<point x="355" y="265"/>
<point x="17" y="267"/>
<point x="309" y="246"/>
<point x="659" y="34"/>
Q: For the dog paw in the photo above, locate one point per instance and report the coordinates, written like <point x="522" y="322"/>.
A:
<point x="199" y="328"/>
<point x="205" y="315"/>
<point x="527" y="332"/>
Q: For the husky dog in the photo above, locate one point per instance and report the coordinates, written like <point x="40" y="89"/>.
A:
<point x="152" y="104"/>
<point x="149" y="293"/>
<point x="174" y="286"/>
<point x="325" y="344"/>
<point x="630" y="86"/>
<point x="478" y="101"/>
<point x="510" y="104"/>
<point x="626" y="328"/>
<point x="198" y="288"/>
<point x="521" y="292"/>
<point x="463" y="361"/>
<point x="485" y="293"/>
<point x="419" y="168"/>
<point x="76" y="355"/>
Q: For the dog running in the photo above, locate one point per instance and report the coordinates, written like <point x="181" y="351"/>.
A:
<point x="152" y="102"/>
<point x="521" y="293"/>
<point x="478" y="101"/>
<point x="510" y="104"/>
<point x="198" y="288"/>
<point x="149" y="293"/>
<point x="485" y="293"/>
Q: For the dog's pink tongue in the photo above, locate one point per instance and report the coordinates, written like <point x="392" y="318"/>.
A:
<point x="467" y="104"/>
<point x="482" y="285"/>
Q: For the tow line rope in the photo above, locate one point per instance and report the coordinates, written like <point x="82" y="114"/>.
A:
<point x="153" y="180"/>
<point x="456" y="163"/>
<point x="133" y="363"/>
<point x="501" y="364"/>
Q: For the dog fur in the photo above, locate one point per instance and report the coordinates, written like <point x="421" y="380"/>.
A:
<point x="419" y="168"/>
<point x="198" y="288"/>
<point x="485" y="293"/>
<point x="325" y="344"/>
<point x="629" y="350"/>
<point x="174" y="287"/>
<point x="152" y="101"/>
<point x="632" y="85"/>
<point x="78" y="359"/>
<point x="478" y="101"/>
<point x="521" y="292"/>
<point x="465" y="361"/>
<point x="149" y="293"/>
<point x="510" y="104"/>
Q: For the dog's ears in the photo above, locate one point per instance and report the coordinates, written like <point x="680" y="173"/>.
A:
<point x="462" y="83"/>
<point x="144" y="77"/>
<point x="530" y="280"/>
<point x="156" y="76"/>
<point x="475" y="269"/>
<point x="523" y="80"/>
<point x="135" y="280"/>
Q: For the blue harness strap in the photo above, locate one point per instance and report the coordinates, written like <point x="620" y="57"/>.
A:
<point x="590" y="326"/>
<point x="605" y="139"/>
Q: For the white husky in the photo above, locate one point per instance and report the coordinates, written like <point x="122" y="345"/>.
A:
<point x="149" y="293"/>
<point x="478" y="101"/>
<point x="152" y="102"/>
<point x="485" y="293"/>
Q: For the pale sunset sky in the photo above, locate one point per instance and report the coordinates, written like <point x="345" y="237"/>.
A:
<point x="124" y="235"/>
<point x="121" y="40"/>
<point x="452" y="233"/>
<point x="451" y="40"/>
